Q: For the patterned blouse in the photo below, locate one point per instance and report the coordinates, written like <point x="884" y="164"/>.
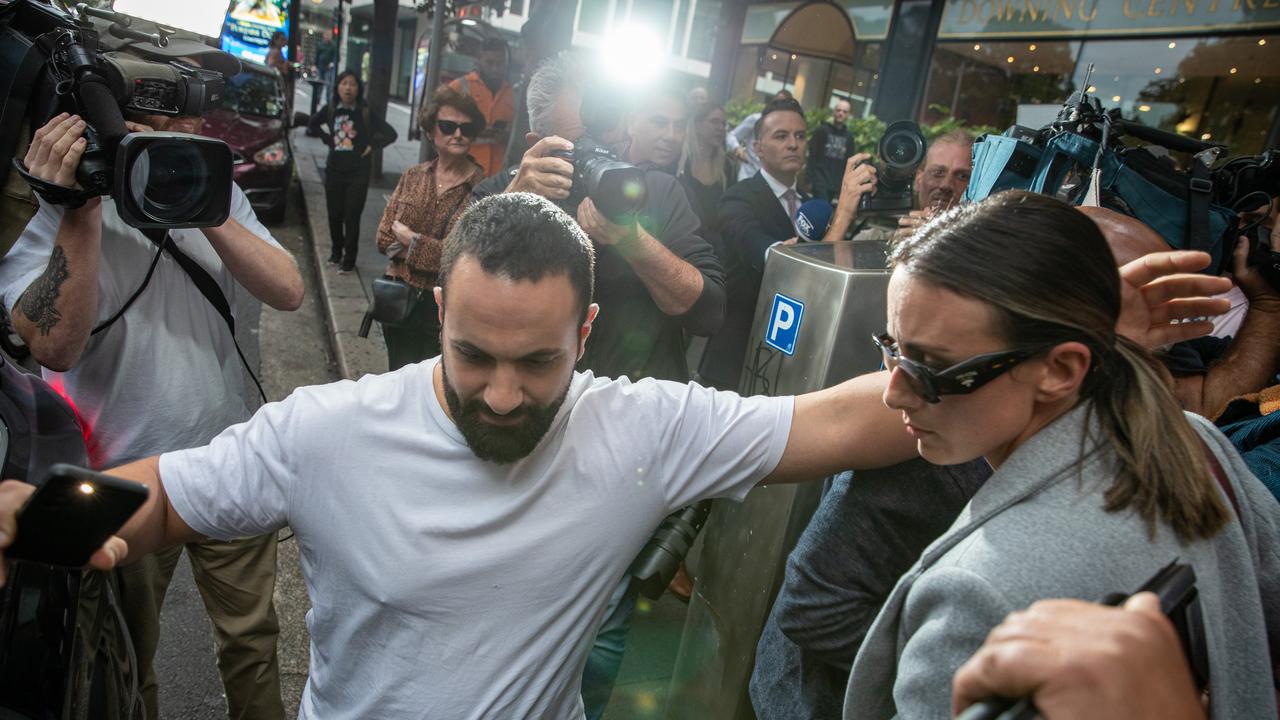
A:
<point x="416" y="204"/>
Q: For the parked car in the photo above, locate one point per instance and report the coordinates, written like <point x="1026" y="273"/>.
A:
<point x="252" y="120"/>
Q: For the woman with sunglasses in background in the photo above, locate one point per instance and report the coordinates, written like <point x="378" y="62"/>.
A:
<point x="1002" y="344"/>
<point x="421" y="211"/>
<point x="352" y="135"/>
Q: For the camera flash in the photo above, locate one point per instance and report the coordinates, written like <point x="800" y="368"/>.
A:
<point x="86" y="488"/>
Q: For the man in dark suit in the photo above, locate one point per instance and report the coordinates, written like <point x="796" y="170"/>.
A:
<point x="758" y="213"/>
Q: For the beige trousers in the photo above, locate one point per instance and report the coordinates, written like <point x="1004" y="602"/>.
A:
<point x="236" y="580"/>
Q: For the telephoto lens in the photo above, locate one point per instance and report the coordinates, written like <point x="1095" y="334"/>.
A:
<point x="657" y="563"/>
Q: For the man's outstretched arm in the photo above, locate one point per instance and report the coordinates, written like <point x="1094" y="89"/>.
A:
<point x="156" y="525"/>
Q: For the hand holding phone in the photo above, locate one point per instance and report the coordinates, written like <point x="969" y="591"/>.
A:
<point x="67" y="519"/>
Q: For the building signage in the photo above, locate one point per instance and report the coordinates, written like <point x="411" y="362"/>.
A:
<point x="250" y="25"/>
<point x="1026" y="18"/>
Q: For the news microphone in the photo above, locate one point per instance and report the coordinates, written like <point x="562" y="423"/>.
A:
<point x="813" y="218"/>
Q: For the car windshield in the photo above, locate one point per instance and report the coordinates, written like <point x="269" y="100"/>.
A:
<point x="251" y="93"/>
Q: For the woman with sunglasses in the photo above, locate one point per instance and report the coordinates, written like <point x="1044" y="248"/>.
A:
<point x="1001" y="343"/>
<point x="420" y="212"/>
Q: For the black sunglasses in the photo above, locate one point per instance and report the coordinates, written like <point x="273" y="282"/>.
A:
<point x="449" y="127"/>
<point x="960" y="379"/>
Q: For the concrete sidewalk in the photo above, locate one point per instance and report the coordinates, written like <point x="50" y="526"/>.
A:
<point x="345" y="298"/>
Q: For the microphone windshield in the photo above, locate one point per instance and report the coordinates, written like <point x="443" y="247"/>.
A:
<point x="813" y="218"/>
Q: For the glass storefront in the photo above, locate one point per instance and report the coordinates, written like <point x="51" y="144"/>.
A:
<point x="763" y="67"/>
<point x="1222" y="88"/>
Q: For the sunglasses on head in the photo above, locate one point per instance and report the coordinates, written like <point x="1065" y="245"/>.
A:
<point x="960" y="379"/>
<point x="449" y="127"/>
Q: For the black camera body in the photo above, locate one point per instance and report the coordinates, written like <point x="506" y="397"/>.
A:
<point x="55" y="62"/>
<point x="902" y="151"/>
<point x="615" y="187"/>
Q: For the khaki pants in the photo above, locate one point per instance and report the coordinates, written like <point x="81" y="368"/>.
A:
<point x="236" y="580"/>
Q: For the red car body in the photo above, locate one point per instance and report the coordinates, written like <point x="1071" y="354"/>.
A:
<point x="252" y="120"/>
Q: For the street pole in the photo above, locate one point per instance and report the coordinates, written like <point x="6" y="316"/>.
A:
<point x="434" y="58"/>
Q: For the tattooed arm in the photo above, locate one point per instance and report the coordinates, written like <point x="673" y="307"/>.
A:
<point x="57" y="311"/>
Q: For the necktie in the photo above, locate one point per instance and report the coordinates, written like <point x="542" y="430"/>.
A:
<point x="793" y="203"/>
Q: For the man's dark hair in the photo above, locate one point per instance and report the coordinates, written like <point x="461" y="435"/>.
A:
<point x="522" y="236"/>
<point x="494" y="45"/>
<point x="783" y="105"/>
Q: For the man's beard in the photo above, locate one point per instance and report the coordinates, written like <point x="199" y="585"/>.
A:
<point x="502" y="444"/>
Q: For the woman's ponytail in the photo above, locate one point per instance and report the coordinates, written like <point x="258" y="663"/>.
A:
<point x="1163" y="472"/>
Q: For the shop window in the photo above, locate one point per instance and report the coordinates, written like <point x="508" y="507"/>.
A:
<point x="655" y="15"/>
<point x="1226" y="89"/>
<point x="702" y="37"/>
<point x="593" y="16"/>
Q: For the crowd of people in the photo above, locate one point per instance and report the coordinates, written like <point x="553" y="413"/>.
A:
<point x="1042" y="434"/>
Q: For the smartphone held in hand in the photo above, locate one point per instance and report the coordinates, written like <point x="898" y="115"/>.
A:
<point x="72" y="514"/>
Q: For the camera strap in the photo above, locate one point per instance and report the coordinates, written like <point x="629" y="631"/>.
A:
<point x="1199" y="190"/>
<point x="53" y="194"/>
<point x="203" y="281"/>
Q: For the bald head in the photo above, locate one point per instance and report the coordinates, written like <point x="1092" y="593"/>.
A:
<point x="1128" y="237"/>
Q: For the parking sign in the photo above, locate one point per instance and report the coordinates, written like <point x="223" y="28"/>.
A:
<point x="784" y="323"/>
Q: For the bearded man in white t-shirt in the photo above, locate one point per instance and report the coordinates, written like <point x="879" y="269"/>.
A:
<point x="462" y="520"/>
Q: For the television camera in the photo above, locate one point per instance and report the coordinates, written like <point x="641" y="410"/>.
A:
<point x="1082" y="157"/>
<point x="91" y="62"/>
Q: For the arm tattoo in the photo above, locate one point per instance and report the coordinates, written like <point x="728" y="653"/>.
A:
<point x="39" y="302"/>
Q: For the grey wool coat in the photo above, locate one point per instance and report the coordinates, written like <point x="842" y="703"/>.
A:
<point x="1037" y="530"/>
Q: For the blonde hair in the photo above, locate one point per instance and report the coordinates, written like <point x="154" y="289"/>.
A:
<point x="696" y="153"/>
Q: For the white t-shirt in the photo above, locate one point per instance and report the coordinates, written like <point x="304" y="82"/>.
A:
<point x="443" y="586"/>
<point x="164" y="376"/>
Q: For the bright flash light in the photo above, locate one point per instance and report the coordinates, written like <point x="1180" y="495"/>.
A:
<point x="86" y="488"/>
<point x="632" y="55"/>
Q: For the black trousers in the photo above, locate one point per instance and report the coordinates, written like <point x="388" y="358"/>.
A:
<point x="344" y="194"/>
<point x="418" y="337"/>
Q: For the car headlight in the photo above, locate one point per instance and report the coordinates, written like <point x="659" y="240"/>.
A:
<point x="273" y="155"/>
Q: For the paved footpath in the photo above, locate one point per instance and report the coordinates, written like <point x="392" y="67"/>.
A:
<point x="346" y="297"/>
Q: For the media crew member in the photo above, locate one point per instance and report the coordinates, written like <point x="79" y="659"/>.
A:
<point x="760" y="212"/>
<point x="164" y="375"/>
<point x="941" y="179"/>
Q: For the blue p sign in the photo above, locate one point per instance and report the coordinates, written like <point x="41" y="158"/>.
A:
<point x="784" y="323"/>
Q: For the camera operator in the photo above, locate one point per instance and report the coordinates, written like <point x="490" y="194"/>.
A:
<point x="657" y="277"/>
<point x="941" y="180"/>
<point x="161" y="375"/>
<point x="1079" y="661"/>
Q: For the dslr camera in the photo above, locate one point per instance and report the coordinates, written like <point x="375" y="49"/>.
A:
<point x="53" y="61"/>
<point x="615" y="187"/>
<point x="902" y="151"/>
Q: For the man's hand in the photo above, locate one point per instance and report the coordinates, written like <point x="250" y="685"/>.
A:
<point x="55" y="150"/>
<point x="13" y="494"/>
<point x="1255" y="287"/>
<point x="909" y="223"/>
<point x="599" y="228"/>
<point x="859" y="179"/>
<point x="1078" y="660"/>
<point x="544" y="174"/>
<point x="1158" y="289"/>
